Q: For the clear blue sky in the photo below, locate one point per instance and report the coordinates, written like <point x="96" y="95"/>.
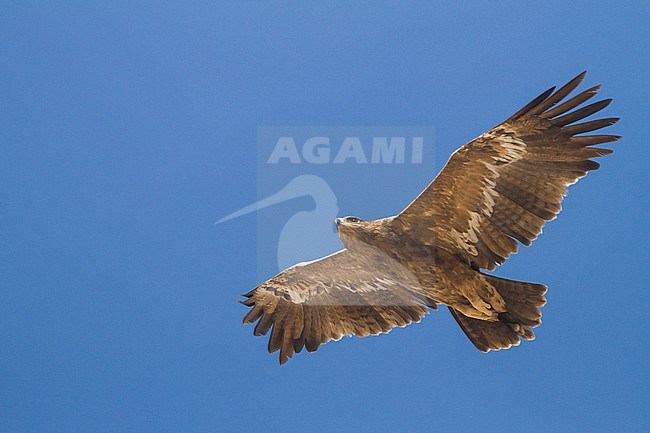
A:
<point x="129" y="129"/>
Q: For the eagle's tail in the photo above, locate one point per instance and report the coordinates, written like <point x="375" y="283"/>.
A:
<point x="522" y="302"/>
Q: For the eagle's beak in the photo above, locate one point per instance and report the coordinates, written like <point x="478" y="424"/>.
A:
<point x="338" y="221"/>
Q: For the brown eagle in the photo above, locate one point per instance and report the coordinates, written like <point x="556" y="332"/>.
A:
<point x="495" y="191"/>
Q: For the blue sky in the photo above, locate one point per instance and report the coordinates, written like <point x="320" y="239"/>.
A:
<point x="129" y="129"/>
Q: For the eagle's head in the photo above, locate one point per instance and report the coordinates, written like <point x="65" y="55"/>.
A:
<point x="352" y="229"/>
<point x="348" y="221"/>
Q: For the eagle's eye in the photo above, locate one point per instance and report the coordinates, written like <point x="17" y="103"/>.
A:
<point x="353" y="219"/>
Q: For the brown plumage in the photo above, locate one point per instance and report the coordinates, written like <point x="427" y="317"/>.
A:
<point x="495" y="191"/>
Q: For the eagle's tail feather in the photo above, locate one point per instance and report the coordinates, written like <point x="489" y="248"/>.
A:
<point x="522" y="302"/>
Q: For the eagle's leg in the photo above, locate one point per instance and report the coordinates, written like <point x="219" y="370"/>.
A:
<point x="480" y="299"/>
<point x="484" y="312"/>
<point x="523" y="301"/>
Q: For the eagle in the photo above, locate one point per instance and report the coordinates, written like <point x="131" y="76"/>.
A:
<point x="494" y="192"/>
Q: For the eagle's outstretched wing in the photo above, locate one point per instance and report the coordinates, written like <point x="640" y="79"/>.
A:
<point x="504" y="185"/>
<point x="347" y="293"/>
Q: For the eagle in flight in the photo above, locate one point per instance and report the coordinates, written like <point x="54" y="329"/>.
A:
<point x="496" y="191"/>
